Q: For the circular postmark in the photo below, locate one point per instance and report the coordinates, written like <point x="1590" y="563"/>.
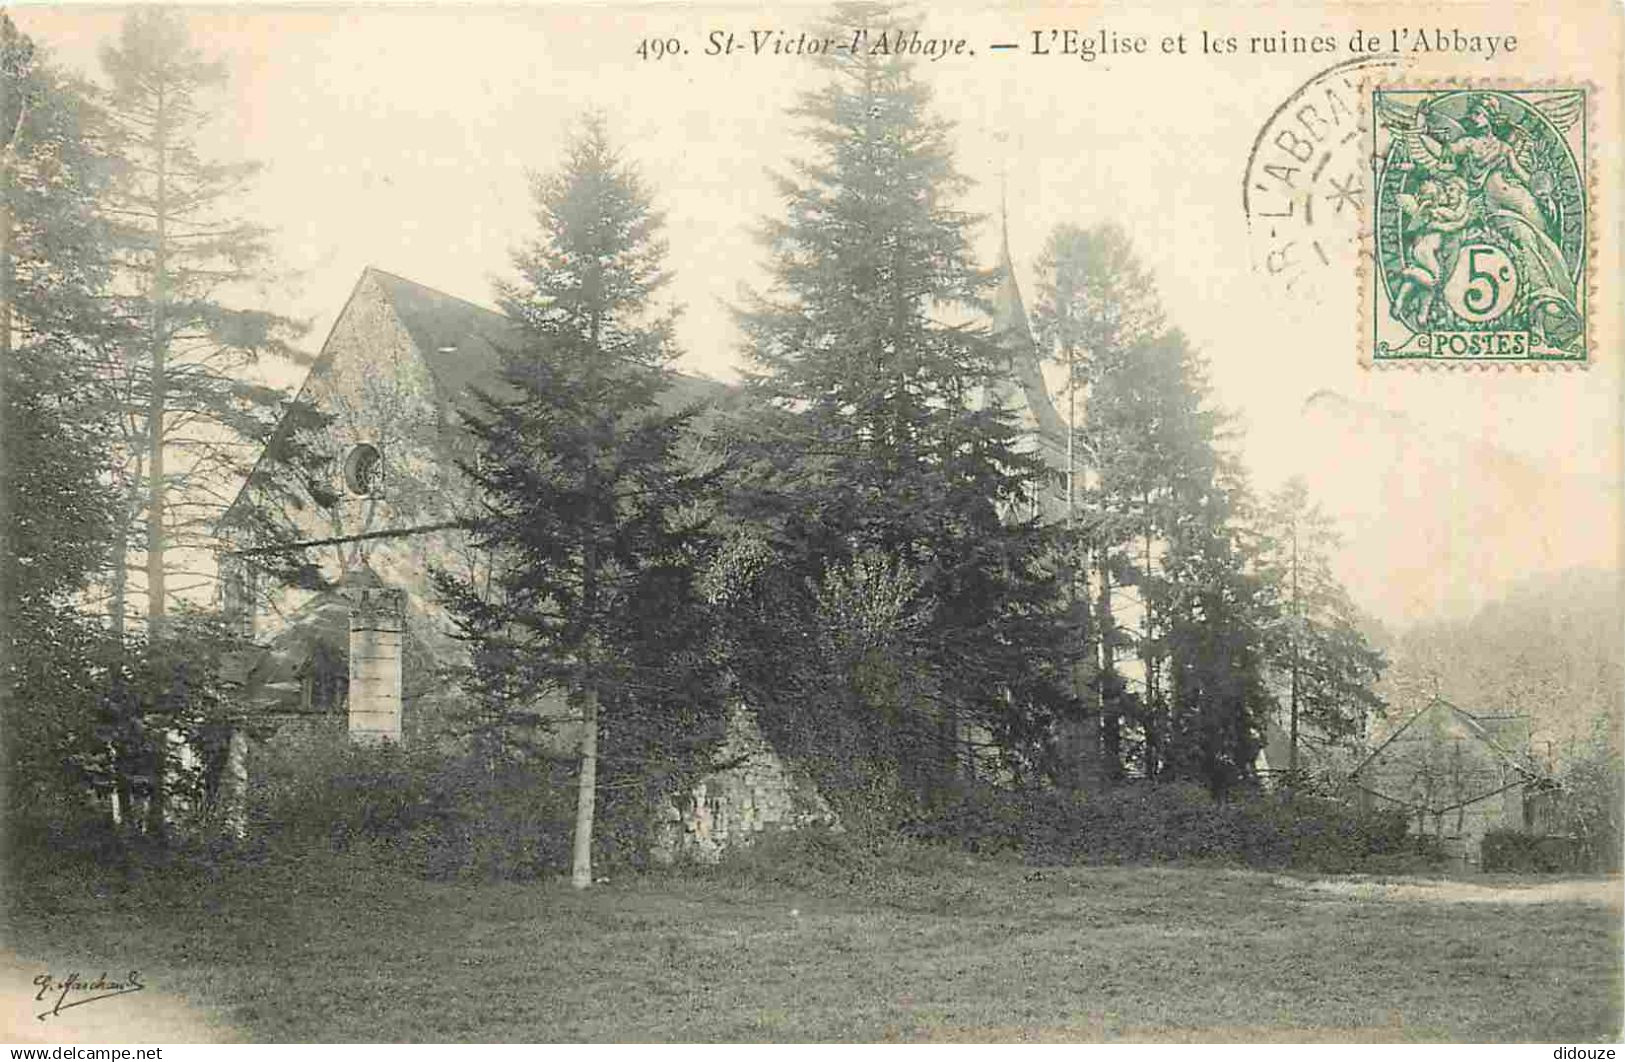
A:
<point x="1308" y="171"/>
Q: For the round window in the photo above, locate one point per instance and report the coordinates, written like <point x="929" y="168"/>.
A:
<point x="363" y="470"/>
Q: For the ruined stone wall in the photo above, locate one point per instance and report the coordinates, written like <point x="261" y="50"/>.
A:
<point x="731" y="808"/>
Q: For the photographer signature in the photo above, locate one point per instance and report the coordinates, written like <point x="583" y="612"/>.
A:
<point x="73" y="985"/>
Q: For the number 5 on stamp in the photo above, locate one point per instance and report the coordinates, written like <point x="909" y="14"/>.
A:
<point x="1478" y="226"/>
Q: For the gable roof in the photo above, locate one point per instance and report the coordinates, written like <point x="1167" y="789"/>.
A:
<point x="1494" y="732"/>
<point x="461" y="342"/>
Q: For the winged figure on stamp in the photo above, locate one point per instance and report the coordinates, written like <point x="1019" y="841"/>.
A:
<point x="1476" y="175"/>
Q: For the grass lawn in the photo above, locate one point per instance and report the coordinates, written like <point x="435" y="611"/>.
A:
<point x="960" y="950"/>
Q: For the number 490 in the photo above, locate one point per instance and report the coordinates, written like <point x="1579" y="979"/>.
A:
<point x="658" y="48"/>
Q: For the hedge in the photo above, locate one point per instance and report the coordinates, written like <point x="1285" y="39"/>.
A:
<point x="1520" y="852"/>
<point x="1149" y="823"/>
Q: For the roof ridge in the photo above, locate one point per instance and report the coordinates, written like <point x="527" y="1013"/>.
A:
<point x="396" y="278"/>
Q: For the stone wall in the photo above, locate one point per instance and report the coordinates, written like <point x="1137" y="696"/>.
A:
<point x="760" y="794"/>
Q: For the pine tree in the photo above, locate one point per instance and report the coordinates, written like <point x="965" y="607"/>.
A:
<point x="1157" y="504"/>
<point x="191" y="416"/>
<point x="1317" y="650"/>
<point x="873" y="454"/>
<point x="1099" y="316"/>
<point x="1215" y="618"/>
<point x="52" y="228"/>
<point x="188" y="416"/>
<point x="595" y="526"/>
<point x="1097" y="309"/>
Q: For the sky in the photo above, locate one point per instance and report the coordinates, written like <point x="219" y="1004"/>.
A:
<point x="402" y="138"/>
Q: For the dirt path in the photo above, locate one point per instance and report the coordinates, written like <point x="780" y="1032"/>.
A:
<point x="1601" y="891"/>
<point x="146" y="1016"/>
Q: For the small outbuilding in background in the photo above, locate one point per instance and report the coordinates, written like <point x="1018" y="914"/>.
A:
<point x="1460" y="775"/>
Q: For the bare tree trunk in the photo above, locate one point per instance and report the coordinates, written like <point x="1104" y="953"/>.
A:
<point x="5" y="261"/>
<point x="124" y="746"/>
<point x="587" y="783"/>
<point x="1153" y="697"/>
<point x="1111" y="721"/>
<point x="119" y="592"/>
<point x="235" y="784"/>
<point x="8" y="167"/>
<point x="1292" y="753"/>
<point x="1080" y="739"/>
<point x="158" y="398"/>
<point x="586" y="792"/>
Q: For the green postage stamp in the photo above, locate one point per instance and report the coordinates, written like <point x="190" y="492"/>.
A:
<point x="1479" y="225"/>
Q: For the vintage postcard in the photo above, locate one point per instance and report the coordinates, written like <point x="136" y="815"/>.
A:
<point x="722" y="522"/>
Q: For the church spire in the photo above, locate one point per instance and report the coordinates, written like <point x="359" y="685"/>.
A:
<point x="1009" y="314"/>
<point x="1023" y="384"/>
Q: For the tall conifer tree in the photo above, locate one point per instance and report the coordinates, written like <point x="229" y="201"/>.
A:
<point x="1097" y="305"/>
<point x="191" y="418"/>
<point x="594" y="524"/>
<point x="1159" y="502"/>
<point x="188" y="415"/>
<point x="880" y="458"/>
<point x="1320" y="662"/>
